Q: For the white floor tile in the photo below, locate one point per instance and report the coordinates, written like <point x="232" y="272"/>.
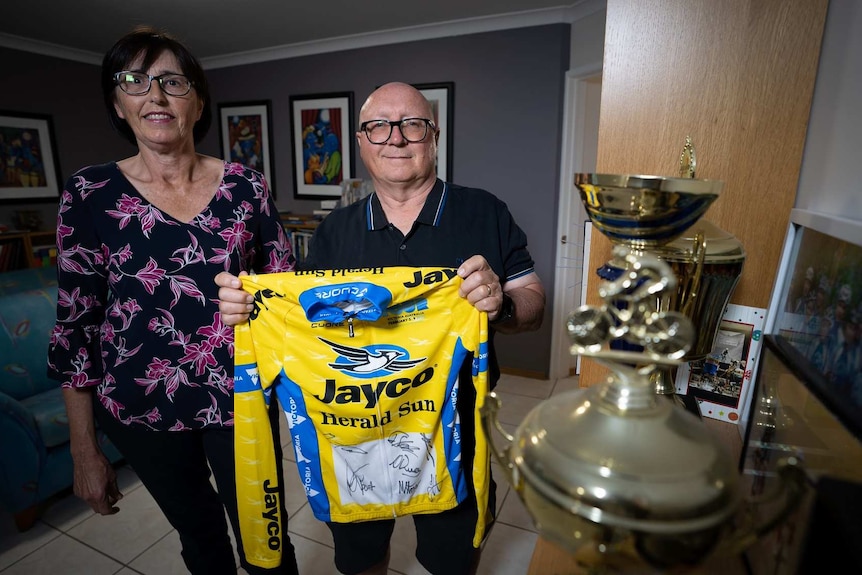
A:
<point x="314" y="558"/>
<point x="15" y="545"/>
<point x="539" y="388"/>
<point x="514" y="408"/>
<point x="125" y="535"/>
<point x="507" y="551"/>
<point x="163" y="558"/>
<point x="513" y="513"/>
<point x="67" y="556"/>
<point x="566" y="384"/>
<point x="306" y="525"/>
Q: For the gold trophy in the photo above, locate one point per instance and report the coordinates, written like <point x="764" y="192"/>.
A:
<point x="622" y="478"/>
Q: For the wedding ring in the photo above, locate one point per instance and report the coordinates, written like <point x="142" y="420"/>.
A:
<point x="489" y="290"/>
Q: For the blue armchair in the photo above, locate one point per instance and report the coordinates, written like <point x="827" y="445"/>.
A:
<point x="35" y="460"/>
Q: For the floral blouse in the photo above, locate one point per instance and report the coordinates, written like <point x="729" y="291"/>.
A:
<point x="137" y="306"/>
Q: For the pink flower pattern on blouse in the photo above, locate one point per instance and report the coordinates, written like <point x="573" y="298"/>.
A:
<point x="137" y="306"/>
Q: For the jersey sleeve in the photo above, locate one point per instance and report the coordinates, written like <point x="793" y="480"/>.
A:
<point x="257" y="477"/>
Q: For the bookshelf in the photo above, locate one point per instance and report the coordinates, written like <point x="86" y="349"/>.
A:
<point x="299" y="229"/>
<point x="27" y="249"/>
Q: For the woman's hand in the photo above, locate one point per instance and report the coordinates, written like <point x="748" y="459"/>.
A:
<point x="234" y="304"/>
<point x="95" y="481"/>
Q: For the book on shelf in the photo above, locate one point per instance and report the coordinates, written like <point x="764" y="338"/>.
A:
<point x="289" y="218"/>
<point x="299" y="241"/>
<point x="45" y="255"/>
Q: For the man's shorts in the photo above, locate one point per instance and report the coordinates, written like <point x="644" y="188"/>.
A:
<point x="444" y="541"/>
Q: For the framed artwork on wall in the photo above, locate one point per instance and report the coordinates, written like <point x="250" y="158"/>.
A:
<point x="442" y="97"/>
<point x="245" y="132"/>
<point x="29" y="169"/>
<point x="322" y="129"/>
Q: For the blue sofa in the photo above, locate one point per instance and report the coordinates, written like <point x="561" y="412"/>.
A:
<point x="35" y="461"/>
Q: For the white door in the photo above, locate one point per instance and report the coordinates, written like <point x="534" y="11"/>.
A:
<point x="580" y="146"/>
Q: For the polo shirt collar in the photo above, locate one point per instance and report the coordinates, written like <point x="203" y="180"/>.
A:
<point x="430" y="214"/>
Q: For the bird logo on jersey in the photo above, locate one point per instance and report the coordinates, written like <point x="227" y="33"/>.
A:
<point x="370" y="361"/>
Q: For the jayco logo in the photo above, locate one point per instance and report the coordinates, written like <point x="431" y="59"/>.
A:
<point x="373" y="361"/>
<point x="431" y="278"/>
<point x="273" y="529"/>
<point x="370" y="394"/>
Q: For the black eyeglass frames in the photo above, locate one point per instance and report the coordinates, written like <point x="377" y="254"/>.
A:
<point x="412" y="129"/>
<point x="138" y="83"/>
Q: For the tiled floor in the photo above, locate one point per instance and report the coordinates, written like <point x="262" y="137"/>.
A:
<point x="71" y="540"/>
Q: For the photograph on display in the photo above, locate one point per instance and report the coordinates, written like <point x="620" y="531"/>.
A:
<point x="441" y="97"/>
<point x="819" y="311"/>
<point x="322" y="131"/>
<point x="722" y="381"/>
<point x="246" y="136"/>
<point x="28" y="157"/>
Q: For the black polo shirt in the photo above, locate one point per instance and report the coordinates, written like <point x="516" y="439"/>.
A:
<point x="455" y="223"/>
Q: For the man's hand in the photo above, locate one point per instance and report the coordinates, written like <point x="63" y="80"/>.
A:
<point x="234" y="304"/>
<point x="481" y="286"/>
<point x="483" y="289"/>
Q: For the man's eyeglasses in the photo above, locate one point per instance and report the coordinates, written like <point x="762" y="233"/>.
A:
<point x="412" y="129"/>
<point x="138" y="83"/>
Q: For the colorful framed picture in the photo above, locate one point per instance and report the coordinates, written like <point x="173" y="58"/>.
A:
<point x="816" y="308"/>
<point x="722" y="381"/>
<point x="245" y="131"/>
<point x="29" y="169"/>
<point x="322" y="129"/>
<point x="442" y="98"/>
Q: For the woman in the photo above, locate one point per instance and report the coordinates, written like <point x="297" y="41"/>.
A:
<point x="139" y="345"/>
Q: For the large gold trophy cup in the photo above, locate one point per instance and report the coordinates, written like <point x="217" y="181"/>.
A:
<point x="621" y="477"/>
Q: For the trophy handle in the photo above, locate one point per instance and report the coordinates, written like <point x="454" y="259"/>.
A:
<point x="488" y="412"/>
<point x="691" y="290"/>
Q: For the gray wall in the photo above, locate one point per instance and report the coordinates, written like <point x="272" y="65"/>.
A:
<point x="508" y="111"/>
<point x="829" y="181"/>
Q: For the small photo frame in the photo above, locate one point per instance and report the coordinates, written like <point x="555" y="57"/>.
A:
<point x="722" y="381"/>
<point x="29" y="169"/>
<point x="442" y="97"/>
<point x="322" y="129"/>
<point x="245" y="132"/>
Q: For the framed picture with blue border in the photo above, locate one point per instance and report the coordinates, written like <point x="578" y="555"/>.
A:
<point x="322" y="130"/>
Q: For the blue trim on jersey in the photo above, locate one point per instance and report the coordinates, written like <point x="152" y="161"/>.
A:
<point x="306" y="448"/>
<point x="242" y="383"/>
<point x="480" y="360"/>
<point x="452" y="442"/>
<point x="337" y="302"/>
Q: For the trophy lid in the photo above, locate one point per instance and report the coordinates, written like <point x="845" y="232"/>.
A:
<point x="650" y="469"/>
<point x="721" y="246"/>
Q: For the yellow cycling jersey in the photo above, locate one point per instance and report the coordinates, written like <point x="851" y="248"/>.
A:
<point x="365" y="364"/>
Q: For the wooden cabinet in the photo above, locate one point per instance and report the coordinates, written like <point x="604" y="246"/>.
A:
<point x="23" y="249"/>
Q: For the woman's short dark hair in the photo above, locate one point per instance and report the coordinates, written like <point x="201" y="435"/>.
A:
<point x="151" y="43"/>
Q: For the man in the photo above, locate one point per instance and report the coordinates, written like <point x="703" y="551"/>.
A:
<point x="414" y="219"/>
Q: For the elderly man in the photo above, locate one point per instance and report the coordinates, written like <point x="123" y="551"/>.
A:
<point x="415" y="219"/>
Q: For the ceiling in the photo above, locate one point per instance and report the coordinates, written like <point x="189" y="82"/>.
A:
<point x="224" y="32"/>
